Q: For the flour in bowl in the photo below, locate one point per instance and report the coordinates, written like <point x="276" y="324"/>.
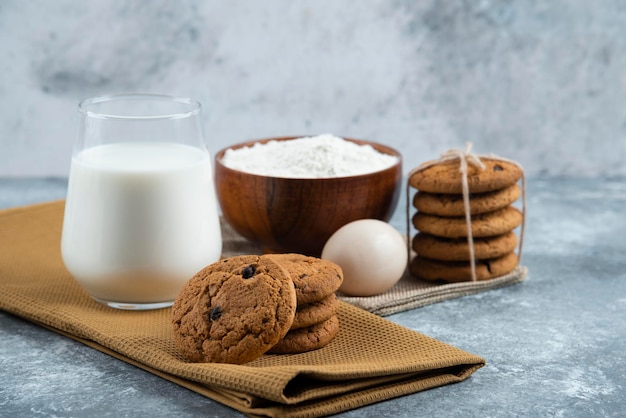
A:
<point x="321" y="156"/>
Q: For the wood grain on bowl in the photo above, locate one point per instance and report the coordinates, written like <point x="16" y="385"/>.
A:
<point x="299" y="215"/>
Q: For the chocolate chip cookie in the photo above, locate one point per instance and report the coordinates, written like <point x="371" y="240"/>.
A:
<point x="445" y="177"/>
<point x="484" y="225"/>
<point x="313" y="277"/>
<point x="315" y="312"/>
<point x="457" y="249"/>
<point x="445" y="204"/>
<point x="307" y="339"/>
<point x="461" y="271"/>
<point x="234" y="310"/>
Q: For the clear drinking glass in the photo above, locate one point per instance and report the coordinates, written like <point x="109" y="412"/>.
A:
<point x="141" y="214"/>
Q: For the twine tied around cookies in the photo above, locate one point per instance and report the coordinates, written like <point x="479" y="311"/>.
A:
<point x="465" y="157"/>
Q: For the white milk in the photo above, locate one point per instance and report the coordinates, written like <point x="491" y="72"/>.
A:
<point x="140" y="220"/>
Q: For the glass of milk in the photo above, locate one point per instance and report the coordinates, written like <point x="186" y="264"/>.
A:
<point x="141" y="214"/>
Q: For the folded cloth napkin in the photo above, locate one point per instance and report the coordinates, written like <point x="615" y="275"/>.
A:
<point x="370" y="360"/>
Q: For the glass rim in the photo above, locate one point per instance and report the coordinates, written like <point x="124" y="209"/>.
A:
<point x="194" y="106"/>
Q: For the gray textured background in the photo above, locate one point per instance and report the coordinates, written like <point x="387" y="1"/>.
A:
<point x="541" y="82"/>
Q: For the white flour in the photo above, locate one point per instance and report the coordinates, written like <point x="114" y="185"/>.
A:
<point x="320" y="156"/>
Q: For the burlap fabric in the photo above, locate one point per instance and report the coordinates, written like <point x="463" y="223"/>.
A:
<point x="370" y="360"/>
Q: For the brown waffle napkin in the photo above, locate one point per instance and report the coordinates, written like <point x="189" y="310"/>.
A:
<point x="370" y="360"/>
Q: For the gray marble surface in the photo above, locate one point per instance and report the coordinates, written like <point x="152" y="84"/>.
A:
<point x="554" y="344"/>
<point x="538" y="81"/>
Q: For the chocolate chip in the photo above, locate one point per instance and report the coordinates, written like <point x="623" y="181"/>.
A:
<point x="248" y="272"/>
<point x="216" y="313"/>
<point x="498" y="168"/>
<point x="304" y="276"/>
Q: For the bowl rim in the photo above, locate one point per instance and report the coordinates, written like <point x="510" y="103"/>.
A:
<point x="376" y="145"/>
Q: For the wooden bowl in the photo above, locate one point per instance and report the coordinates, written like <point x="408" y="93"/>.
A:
<point x="298" y="214"/>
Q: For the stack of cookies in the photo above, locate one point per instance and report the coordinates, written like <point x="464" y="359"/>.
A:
<point x="315" y="322"/>
<point x="441" y="244"/>
<point x="241" y="307"/>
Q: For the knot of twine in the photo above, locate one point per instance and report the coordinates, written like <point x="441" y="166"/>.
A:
<point x="465" y="157"/>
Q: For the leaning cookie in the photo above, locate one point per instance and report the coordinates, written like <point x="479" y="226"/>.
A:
<point x="459" y="271"/>
<point x="233" y="313"/>
<point x="484" y="225"/>
<point x="443" y="204"/>
<point x="457" y="249"/>
<point x="313" y="277"/>
<point x="445" y="177"/>
<point x="307" y="339"/>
